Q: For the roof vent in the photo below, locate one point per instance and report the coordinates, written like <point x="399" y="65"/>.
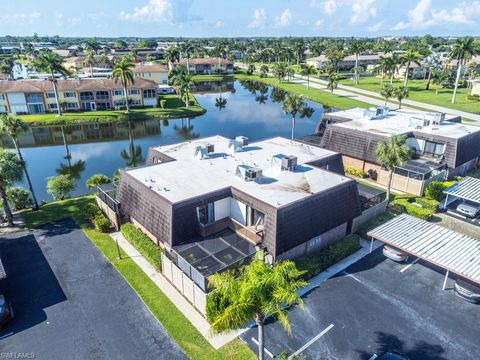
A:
<point x="201" y="152"/>
<point x="210" y="148"/>
<point x="242" y="140"/>
<point x="234" y="146"/>
<point x="289" y="162"/>
<point x="248" y="173"/>
<point x="382" y="111"/>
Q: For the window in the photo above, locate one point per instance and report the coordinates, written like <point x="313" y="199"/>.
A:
<point x="86" y="95"/>
<point x="51" y="95"/>
<point x="52" y="106"/>
<point x="71" y="105"/>
<point x="69" y="94"/>
<point x="433" y="148"/>
<point x="149" y="93"/>
<point x="119" y="103"/>
<point x="255" y="218"/>
<point x="34" y="98"/>
<point x="103" y="106"/>
<point x="147" y="75"/>
<point x="133" y="91"/>
<point x="206" y="214"/>
<point x="118" y="92"/>
<point x="103" y="95"/>
<point x="135" y="102"/>
<point x="165" y="82"/>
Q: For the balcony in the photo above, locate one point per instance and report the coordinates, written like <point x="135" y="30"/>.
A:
<point x="247" y="232"/>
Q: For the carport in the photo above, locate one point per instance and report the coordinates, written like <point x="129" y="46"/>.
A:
<point x="447" y="249"/>
<point x="466" y="189"/>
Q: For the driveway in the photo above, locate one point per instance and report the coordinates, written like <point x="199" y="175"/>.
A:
<point x="71" y="303"/>
<point x="374" y="306"/>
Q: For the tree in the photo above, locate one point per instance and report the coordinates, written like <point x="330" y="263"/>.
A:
<point x="392" y="153"/>
<point x="60" y="186"/>
<point x="250" y="69"/>
<point x="123" y="72"/>
<point x="387" y="92"/>
<point x="383" y="67"/>
<point x="6" y="67"/>
<point x="19" y="198"/>
<point x="407" y="59"/>
<point x="186" y="49"/>
<point x="334" y="55"/>
<point x="264" y="70"/>
<point x="258" y="291"/>
<point x="12" y="127"/>
<point x="294" y="105"/>
<point x="89" y="59"/>
<point x="96" y="180"/>
<point x="279" y="71"/>
<point x="290" y="72"/>
<point x="51" y="63"/>
<point x="172" y="55"/>
<point x="333" y="80"/>
<point x="357" y="47"/>
<point x="120" y="44"/>
<point x="299" y="49"/>
<point x="307" y="70"/>
<point x="463" y="49"/>
<point x="431" y="63"/>
<point x="439" y="79"/>
<point x="11" y="171"/>
<point x="401" y="93"/>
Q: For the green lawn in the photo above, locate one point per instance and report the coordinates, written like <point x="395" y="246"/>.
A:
<point x="418" y="93"/>
<point x="175" y="108"/>
<point x="319" y="96"/>
<point x="174" y="322"/>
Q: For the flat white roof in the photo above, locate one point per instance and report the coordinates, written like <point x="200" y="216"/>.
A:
<point x="189" y="177"/>
<point x="402" y="121"/>
<point x="445" y="248"/>
<point x="467" y="188"/>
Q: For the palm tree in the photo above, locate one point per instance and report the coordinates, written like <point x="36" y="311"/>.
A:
<point x="393" y="63"/>
<point x="12" y="126"/>
<point x="51" y="63"/>
<point x="462" y="50"/>
<point x="259" y="291"/>
<point x="407" y="59"/>
<point x="383" y="67"/>
<point x="89" y="59"/>
<point x="10" y="171"/>
<point x="431" y="63"/>
<point x="290" y="72"/>
<point x="264" y="70"/>
<point x="356" y="48"/>
<point x="293" y="105"/>
<point x="439" y="78"/>
<point x="307" y="70"/>
<point x="186" y="83"/>
<point x="333" y="80"/>
<point x="6" y="67"/>
<point x="387" y="92"/>
<point x="172" y="55"/>
<point x="122" y="71"/>
<point x="176" y="76"/>
<point x="279" y="71"/>
<point x="187" y="48"/>
<point x="299" y="49"/>
<point x="390" y="154"/>
<point x="401" y="93"/>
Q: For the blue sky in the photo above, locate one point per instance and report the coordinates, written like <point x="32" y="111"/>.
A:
<point x="201" y="18"/>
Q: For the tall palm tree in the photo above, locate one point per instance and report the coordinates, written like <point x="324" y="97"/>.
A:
<point x="187" y="49"/>
<point x="89" y="59"/>
<point x="294" y="105"/>
<point x="123" y="72"/>
<point x="393" y="64"/>
<point x="392" y="153"/>
<point x="401" y="93"/>
<point x="51" y="63"/>
<point x="186" y="83"/>
<point x="10" y="171"/>
<point x="307" y="70"/>
<point x="299" y="49"/>
<point x="356" y="47"/>
<point x="431" y="63"/>
<point x="333" y="80"/>
<point x="463" y="49"/>
<point x="176" y="75"/>
<point x="12" y="126"/>
<point x="407" y="59"/>
<point x="386" y="91"/>
<point x="172" y="55"/>
<point x="259" y="291"/>
<point x="279" y="71"/>
<point x="383" y="67"/>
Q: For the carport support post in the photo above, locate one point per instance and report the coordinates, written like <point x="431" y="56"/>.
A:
<point x="446" y="278"/>
<point x="371" y="244"/>
<point x="446" y="202"/>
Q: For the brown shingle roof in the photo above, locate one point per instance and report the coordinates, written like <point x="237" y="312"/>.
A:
<point x="146" y="67"/>
<point x="71" y="84"/>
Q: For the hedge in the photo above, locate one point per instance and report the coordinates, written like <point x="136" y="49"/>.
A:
<point x="410" y="208"/>
<point x="143" y="244"/>
<point x="317" y="262"/>
<point x="428" y="203"/>
<point x="356" y="172"/>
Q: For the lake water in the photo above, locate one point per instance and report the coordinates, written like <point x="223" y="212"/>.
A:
<point x="250" y="110"/>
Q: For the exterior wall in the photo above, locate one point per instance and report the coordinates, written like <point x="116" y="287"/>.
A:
<point x="109" y="213"/>
<point x="352" y="162"/>
<point x="368" y="215"/>
<point x="475" y="89"/>
<point x="463" y="169"/>
<point x="160" y="77"/>
<point x="18" y="103"/>
<point x="331" y="163"/>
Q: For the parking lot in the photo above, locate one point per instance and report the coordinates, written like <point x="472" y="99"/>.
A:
<point x="377" y="305"/>
<point x="70" y="303"/>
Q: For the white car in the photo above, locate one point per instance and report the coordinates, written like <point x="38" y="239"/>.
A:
<point x="468" y="209"/>
<point x="394" y="254"/>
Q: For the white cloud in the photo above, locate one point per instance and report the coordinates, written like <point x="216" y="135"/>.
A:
<point x="219" y="24"/>
<point x="362" y="11"/>
<point x="28" y="18"/>
<point x="259" y="19"/>
<point x="423" y="16"/>
<point x="318" y="23"/>
<point x="284" y="19"/>
<point x="376" y="27"/>
<point x="96" y="16"/>
<point x="171" y="11"/>
<point x="330" y="6"/>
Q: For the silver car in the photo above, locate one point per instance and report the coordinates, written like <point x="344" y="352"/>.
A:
<point x="468" y="209"/>
<point x="395" y="254"/>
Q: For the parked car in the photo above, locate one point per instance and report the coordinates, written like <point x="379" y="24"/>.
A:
<point x="468" y="209"/>
<point x="467" y="290"/>
<point x="6" y="312"/>
<point x="394" y="254"/>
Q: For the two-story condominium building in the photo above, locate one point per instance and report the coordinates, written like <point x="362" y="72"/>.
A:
<point x="208" y="66"/>
<point x="441" y="145"/>
<point x="152" y="71"/>
<point x="38" y="96"/>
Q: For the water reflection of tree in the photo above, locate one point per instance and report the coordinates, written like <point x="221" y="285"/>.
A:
<point x="133" y="155"/>
<point x="220" y="102"/>
<point x="277" y="94"/>
<point x="74" y="170"/>
<point x="186" y="131"/>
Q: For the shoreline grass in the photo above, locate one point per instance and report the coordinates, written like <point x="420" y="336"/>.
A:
<point x="175" y="323"/>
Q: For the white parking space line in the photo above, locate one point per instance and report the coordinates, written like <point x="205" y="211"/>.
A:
<point x="327" y="329"/>
<point x="266" y="350"/>
<point x="6" y="335"/>
<point x="353" y="277"/>
<point x="374" y="356"/>
<point x="407" y="266"/>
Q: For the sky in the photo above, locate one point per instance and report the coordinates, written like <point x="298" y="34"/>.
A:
<point x="215" y="18"/>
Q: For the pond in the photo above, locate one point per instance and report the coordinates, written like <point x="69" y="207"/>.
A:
<point x="233" y="108"/>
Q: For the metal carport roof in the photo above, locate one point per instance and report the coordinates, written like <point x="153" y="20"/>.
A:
<point x="467" y="188"/>
<point x="445" y="248"/>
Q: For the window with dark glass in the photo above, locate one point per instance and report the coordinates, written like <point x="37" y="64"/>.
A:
<point x="103" y="95"/>
<point x="149" y="93"/>
<point x="86" y="95"/>
<point x="433" y="148"/>
<point x="206" y="214"/>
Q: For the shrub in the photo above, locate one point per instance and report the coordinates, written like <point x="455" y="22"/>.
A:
<point x="143" y="244"/>
<point x="162" y="103"/>
<point x="101" y="223"/>
<point x="96" y="180"/>
<point x="428" y="203"/>
<point x="413" y="208"/>
<point x="91" y="211"/>
<point x="19" y="198"/>
<point x="60" y="186"/>
<point x="215" y="305"/>
<point x="356" y="172"/>
<point x="434" y="191"/>
<point x="372" y="174"/>
<point x="317" y="262"/>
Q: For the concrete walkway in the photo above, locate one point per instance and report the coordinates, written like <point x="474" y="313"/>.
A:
<point x="197" y="320"/>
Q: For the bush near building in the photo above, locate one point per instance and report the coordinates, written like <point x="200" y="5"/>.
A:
<point x="356" y="172"/>
<point x="101" y="223"/>
<point x="415" y="206"/>
<point x="143" y="244"/>
<point x="19" y="198"/>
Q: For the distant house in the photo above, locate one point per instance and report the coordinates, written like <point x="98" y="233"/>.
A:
<point x="475" y="89"/>
<point x="347" y="63"/>
<point x="152" y="71"/>
<point x="208" y="66"/>
<point x="141" y="53"/>
<point x="37" y="96"/>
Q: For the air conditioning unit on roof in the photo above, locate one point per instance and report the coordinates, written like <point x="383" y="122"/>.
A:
<point x="289" y="162"/>
<point x="242" y="140"/>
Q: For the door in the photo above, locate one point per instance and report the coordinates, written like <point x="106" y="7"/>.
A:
<point x="93" y="106"/>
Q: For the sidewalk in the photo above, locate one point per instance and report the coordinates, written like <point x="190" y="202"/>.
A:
<point x="18" y="225"/>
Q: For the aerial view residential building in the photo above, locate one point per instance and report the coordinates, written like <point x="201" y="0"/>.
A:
<point x="240" y="180"/>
